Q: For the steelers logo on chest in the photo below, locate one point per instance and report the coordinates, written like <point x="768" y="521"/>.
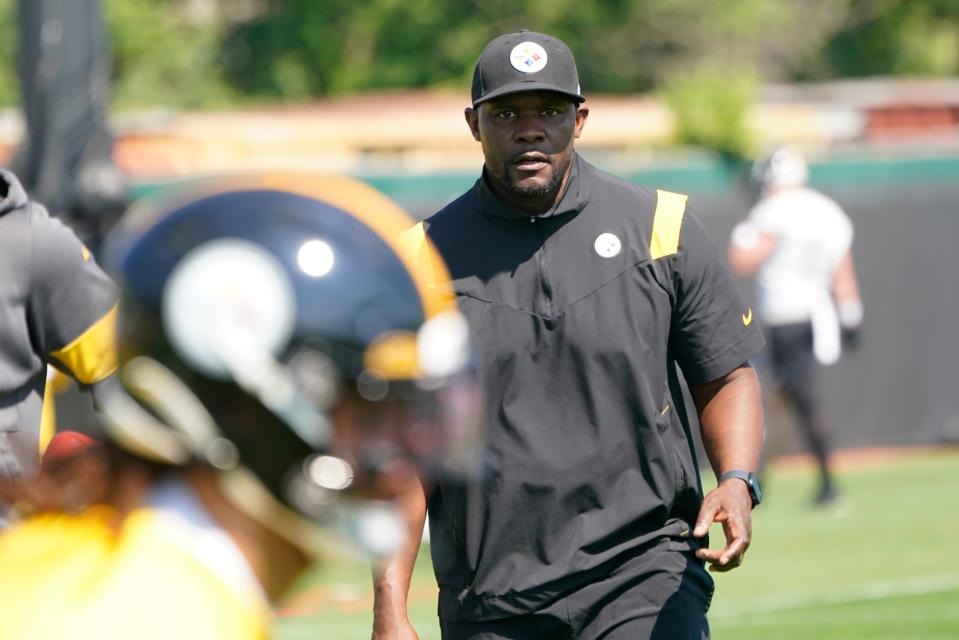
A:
<point x="607" y="245"/>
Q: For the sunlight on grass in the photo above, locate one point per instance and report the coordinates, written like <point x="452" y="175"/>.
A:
<point x="873" y="566"/>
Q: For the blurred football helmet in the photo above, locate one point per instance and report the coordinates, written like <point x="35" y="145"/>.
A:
<point x="275" y="328"/>
<point x="782" y="168"/>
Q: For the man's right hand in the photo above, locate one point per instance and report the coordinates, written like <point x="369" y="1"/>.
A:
<point x="384" y="629"/>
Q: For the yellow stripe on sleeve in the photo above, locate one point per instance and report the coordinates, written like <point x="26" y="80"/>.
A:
<point x="667" y="222"/>
<point x="92" y="356"/>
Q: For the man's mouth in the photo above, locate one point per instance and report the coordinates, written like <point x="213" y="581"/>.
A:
<point x="531" y="161"/>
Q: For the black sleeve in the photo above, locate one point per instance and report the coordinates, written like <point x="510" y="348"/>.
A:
<point x="712" y="330"/>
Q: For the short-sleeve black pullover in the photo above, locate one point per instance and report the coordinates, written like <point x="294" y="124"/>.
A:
<point x="578" y="317"/>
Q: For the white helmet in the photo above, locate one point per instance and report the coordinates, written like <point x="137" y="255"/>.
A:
<point x="783" y="168"/>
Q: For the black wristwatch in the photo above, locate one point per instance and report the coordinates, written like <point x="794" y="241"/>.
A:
<point x="752" y="482"/>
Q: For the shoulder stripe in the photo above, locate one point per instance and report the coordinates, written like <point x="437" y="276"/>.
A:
<point x="92" y="356"/>
<point x="667" y="222"/>
<point x="413" y="241"/>
<point x="428" y="267"/>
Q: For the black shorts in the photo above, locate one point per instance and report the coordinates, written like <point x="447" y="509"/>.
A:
<point x="663" y="594"/>
<point x="793" y="361"/>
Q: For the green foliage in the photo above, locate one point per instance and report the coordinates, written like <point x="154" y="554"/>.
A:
<point x="302" y="47"/>
<point x="160" y="59"/>
<point x="294" y="50"/>
<point x="919" y="37"/>
<point x="710" y="106"/>
<point x="9" y="83"/>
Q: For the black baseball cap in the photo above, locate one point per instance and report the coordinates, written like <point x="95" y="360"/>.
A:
<point x="525" y="61"/>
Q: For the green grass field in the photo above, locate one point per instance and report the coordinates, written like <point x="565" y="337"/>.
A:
<point x="882" y="565"/>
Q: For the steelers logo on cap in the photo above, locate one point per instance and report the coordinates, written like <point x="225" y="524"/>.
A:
<point x="528" y="57"/>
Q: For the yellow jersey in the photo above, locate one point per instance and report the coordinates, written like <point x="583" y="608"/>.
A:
<point x="76" y="577"/>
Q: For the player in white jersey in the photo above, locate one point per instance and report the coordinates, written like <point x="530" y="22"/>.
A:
<point x="797" y="243"/>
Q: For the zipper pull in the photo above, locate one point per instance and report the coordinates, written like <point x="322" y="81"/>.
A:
<point x="532" y="219"/>
<point x="462" y="596"/>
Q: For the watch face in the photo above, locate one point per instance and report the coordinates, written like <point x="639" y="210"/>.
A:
<point x="754" y="489"/>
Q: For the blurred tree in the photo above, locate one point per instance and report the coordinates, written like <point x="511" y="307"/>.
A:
<point x="162" y="58"/>
<point x="300" y="47"/>
<point x="9" y="84"/>
<point x="710" y="105"/>
<point x="208" y="52"/>
<point x="900" y="37"/>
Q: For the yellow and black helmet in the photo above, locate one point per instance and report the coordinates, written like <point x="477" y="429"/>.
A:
<point x="252" y="306"/>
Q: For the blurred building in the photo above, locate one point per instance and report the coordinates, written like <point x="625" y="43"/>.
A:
<point x="423" y="131"/>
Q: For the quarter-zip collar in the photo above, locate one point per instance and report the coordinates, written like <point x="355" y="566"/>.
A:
<point x="574" y="198"/>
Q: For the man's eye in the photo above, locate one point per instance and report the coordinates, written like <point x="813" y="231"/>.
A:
<point x="551" y="111"/>
<point x="506" y="115"/>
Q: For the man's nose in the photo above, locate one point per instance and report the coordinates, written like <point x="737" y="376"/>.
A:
<point x="529" y="129"/>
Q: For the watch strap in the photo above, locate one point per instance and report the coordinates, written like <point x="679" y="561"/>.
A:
<point x="736" y="473"/>
<point x="752" y="484"/>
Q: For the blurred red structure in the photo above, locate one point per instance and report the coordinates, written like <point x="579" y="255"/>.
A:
<point x="905" y="120"/>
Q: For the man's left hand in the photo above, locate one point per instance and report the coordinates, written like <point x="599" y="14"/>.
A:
<point x="730" y="504"/>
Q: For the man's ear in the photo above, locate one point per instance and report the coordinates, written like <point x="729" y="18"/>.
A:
<point x="472" y="120"/>
<point x="581" y="114"/>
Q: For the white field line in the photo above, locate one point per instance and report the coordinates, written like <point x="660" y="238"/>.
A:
<point x="858" y="593"/>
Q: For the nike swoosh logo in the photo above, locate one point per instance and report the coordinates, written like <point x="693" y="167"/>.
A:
<point x="748" y="317"/>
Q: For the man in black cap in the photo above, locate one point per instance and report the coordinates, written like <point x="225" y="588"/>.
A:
<point x="583" y="293"/>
